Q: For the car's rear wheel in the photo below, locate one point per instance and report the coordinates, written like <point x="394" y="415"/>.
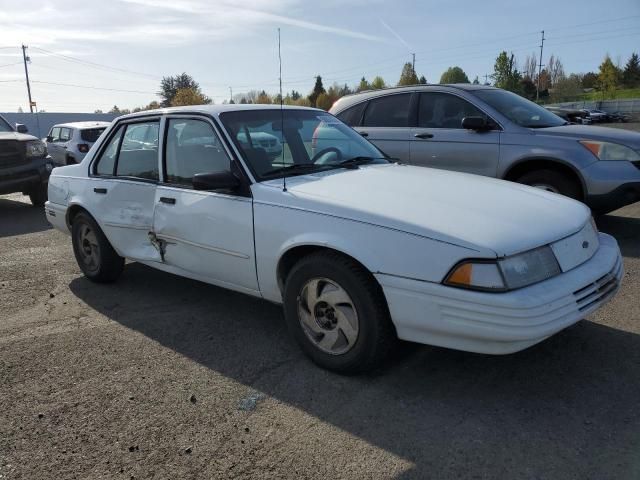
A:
<point x="95" y="256"/>
<point x="337" y="313"/>
<point x="70" y="160"/>
<point x="38" y="195"/>
<point x="552" y="181"/>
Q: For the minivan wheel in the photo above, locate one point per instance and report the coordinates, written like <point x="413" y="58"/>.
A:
<point x="95" y="256"/>
<point x="552" y="181"/>
<point x="38" y="195"/>
<point x="337" y="313"/>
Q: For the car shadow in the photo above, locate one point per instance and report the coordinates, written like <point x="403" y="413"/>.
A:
<point x="19" y="218"/>
<point x="566" y="408"/>
<point x="626" y="231"/>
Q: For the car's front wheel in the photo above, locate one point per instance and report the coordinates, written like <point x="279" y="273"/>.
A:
<point x="337" y="313"/>
<point x="95" y="256"/>
<point x="38" y="195"/>
<point x="552" y="181"/>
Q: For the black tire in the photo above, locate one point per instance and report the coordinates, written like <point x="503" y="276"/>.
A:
<point x="376" y="335"/>
<point x="38" y="195"/>
<point x="71" y="160"/>
<point x="558" y="181"/>
<point x="106" y="265"/>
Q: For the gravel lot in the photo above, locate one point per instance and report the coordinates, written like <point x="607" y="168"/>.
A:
<point x="158" y="376"/>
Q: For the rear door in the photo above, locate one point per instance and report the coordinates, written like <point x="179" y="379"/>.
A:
<point x="63" y="144"/>
<point x="53" y="145"/>
<point x="208" y="234"/>
<point x="439" y="141"/>
<point x="387" y="123"/>
<point x="122" y="191"/>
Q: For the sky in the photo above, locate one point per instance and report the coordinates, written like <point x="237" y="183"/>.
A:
<point x="87" y="54"/>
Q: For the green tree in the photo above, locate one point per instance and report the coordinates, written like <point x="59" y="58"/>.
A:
<point x="608" y="77"/>
<point x="408" y="75"/>
<point x="169" y="86"/>
<point x="567" y="88"/>
<point x="318" y="88"/>
<point x="422" y="80"/>
<point x="506" y="74"/>
<point x="363" y="85"/>
<point x="324" y="101"/>
<point x="590" y="80"/>
<point x="631" y="73"/>
<point x="476" y="81"/>
<point x="189" y="96"/>
<point x="377" y="83"/>
<point x="264" y="98"/>
<point x="528" y="88"/>
<point x="454" y="75"/>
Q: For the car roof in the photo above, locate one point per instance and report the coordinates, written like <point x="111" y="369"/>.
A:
<point x="81" y="125"/>
<point x="354" y="98"/>
<point x="217" y="109"/>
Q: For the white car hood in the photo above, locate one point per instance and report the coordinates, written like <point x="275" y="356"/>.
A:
<point x="471" y="211"/>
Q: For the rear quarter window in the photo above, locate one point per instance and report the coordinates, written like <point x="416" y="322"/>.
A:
<point x="91" y="134"/>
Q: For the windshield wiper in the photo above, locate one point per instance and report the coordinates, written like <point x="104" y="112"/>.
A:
<point x="355" y="161"/>
<point x="294" y="168"/>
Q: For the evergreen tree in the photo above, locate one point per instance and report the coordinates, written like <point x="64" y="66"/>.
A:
<point x="408" y="75"/>
<point x="317" y="90"/>
<point x="377" y="83"/>
<point x="454" y="75"/>
<point x="608" y="76"/>
<point x="631" y="73"/>
<point x="476" y="81"/>
<point x="422" y="80"/>
<point x="169" y="86"/>
<point x="506" y="74"/>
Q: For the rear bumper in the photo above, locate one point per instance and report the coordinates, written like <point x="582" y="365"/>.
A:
<point x="23" y="178"/>
<point x="56" y="215"/>
<point x="500" y="323"/>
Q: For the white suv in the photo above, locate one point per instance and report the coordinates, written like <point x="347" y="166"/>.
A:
<point x="68" y="143"/>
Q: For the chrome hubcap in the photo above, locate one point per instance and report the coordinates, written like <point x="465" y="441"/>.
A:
<point x="544" y="186"/>
<point x="327" y="316"/>
<point x="89" y="249"/>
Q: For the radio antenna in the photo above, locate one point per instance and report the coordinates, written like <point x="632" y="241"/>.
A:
<point x="284" y="173"/>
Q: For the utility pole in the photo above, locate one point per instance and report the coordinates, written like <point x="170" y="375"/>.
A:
<point x="230" y="95"/>
<point x="413" y="63"/>
<point x="26" y="74"/>
<point x="539" y="68"/>
<point x="486" y="79"/>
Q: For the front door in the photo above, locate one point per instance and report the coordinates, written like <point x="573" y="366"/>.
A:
<point x="439" y="141"/>
<point x="208" y="234"/>
<point x="123" y="186"/>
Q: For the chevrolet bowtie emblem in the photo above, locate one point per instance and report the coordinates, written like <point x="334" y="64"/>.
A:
<point x="585" y="244"/>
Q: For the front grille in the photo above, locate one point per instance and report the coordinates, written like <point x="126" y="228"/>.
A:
<point x="10" y="153"/>
<point x="600" y="290"/>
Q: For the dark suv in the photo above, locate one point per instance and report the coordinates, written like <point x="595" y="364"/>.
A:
<point x="24" y="164"/>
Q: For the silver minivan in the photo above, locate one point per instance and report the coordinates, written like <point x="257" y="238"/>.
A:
<point x="488" y="131"/>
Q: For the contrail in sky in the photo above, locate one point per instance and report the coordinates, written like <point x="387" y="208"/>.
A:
<point x="395" y="34"/>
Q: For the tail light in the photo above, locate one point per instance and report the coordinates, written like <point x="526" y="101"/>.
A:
<point x="83" y="147"/>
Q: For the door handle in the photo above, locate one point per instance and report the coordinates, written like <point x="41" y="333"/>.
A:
<point x="64" y="146"/>
<point x="100" y="190"/>
<point x="364" y="134"/>
<point x="168" y="200"/>
<point x="424" y="135"/>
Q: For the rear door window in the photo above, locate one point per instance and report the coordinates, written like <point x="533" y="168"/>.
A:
<point x="388" y="111"/>
<point x="65" y="134"/>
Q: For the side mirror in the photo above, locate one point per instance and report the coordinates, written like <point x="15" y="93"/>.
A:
<point x="21" y="128"/>
<point x="49" y="139"/>
<point x="215" y="181"/>
<point x="475" y="123"/>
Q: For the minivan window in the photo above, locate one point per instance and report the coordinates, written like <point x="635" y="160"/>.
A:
<point x="519" y="110"/>
<point x="443" y="110"/>
<point x="388" y="111"/>
<point x="353" y="115"/>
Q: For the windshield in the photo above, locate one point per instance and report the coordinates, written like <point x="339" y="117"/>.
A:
<point x="4" y="126"/>
<point x="519" y="110"/>
<point x="305" y="141"/>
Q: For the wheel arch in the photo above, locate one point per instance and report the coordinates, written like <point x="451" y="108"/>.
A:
<point x="529" y="164"/>
<point x="73" y="210"/>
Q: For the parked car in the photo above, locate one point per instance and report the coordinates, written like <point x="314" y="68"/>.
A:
<point x="269" y="143"/>
<point x="571" y="115"/>
<point x="596" y="116"/>
<point x="68" y="143"/>
<point x="619" y="117"/>
<point x="358" y="250"/>
<point x="489" y="131"/>
<point x="24" y="163"/>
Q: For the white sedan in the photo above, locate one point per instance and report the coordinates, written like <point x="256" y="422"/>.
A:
<point x="359" y="251"/>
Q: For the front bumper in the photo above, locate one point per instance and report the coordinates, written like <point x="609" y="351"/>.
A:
<point x="611" y="185"/>
<point x="625" y="194"/>
<point x="500" y="323"/>
<point x="22" y="178"/>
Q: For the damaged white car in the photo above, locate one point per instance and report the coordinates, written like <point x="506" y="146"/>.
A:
<point x="359" y="251"/>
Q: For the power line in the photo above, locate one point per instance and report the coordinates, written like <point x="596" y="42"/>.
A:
<point x="91" y="87"/>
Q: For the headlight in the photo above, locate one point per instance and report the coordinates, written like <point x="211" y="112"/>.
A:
<point x="610" y="151"/>
<point x="35" y="149"/>
<point x="508" y="273"/>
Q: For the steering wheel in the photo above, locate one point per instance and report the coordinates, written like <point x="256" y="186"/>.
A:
<point x="324" y="151"/>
